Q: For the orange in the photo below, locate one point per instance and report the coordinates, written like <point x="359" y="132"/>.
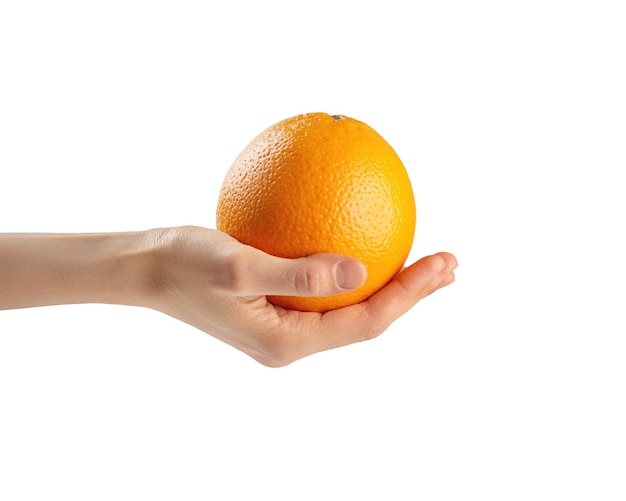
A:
<point x="321" y="183"/>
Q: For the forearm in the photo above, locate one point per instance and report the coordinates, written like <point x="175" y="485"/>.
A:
<point x="53" y="269"/>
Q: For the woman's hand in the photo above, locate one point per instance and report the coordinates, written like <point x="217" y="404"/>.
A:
<point x="211" y="281"/>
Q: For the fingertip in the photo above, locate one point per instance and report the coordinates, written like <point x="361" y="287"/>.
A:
<point x="445" y="265"/>
<point x="443" y="262"/>
<point x="429" y="273"/>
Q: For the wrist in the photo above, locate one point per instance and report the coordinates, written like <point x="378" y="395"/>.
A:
<point x="107" y="268"/>
<point x="129" y="267"/>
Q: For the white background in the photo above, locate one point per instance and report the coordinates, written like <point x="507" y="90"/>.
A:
<point x="509" y="384"/>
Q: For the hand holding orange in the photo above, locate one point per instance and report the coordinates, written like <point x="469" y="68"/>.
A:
<point x="318" y="183"/>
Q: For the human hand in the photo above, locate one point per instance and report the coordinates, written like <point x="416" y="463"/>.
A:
<point x="209" y="280"/>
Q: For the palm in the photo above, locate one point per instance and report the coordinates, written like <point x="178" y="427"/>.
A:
<point x="292" y="335"/>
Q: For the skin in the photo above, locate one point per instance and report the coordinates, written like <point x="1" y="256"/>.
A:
<point x="209" y="280"/>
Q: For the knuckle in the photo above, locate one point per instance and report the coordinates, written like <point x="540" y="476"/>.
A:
<point x="376" y="325"/>
<point x="375" y="330"/>
<point x="310" y="280"/>
<point x="232" y="273"/>
<point x="303" y="279"/>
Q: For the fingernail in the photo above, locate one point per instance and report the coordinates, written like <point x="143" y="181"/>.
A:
<point x="350" y="274"/>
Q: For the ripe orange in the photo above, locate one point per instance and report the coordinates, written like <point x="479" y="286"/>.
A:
<point x="321" y="183"/>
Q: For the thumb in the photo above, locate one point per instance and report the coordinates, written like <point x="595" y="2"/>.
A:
<point x="322" y="274"/>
